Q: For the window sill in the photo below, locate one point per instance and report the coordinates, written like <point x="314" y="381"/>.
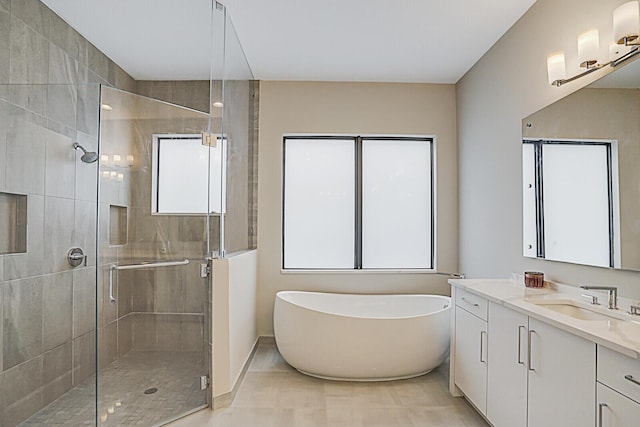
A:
<point x="362" y="271"/>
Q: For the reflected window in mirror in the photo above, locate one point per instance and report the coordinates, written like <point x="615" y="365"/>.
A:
<point x="605" y="110"/>
<point x="571" y="204"/>
<point x="188" y="174"/>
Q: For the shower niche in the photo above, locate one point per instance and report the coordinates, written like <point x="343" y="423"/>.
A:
<point x="118" y="219"/>
<point x="13" y="223"/>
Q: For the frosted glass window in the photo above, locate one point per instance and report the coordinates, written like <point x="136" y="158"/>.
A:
<point x="319" y="204"/>
<point x="396" y="204"/>
<point x="576" y="203"/>
<point x="181" y="176"/>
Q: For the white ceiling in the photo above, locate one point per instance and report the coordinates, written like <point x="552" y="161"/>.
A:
<point x="433" y="41"/>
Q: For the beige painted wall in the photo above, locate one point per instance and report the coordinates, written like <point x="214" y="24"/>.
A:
<point x="351" y="108"/>
<point x="506" y="85"/>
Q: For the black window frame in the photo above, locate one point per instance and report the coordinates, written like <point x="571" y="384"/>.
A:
<point x="358" y="169"/>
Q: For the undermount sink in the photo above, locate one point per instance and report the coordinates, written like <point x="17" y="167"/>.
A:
<point x="573" y="309"/>
<point x="575" y="312"/>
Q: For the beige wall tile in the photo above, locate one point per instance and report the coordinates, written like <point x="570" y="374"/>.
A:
<point x="84" y="359"/>
<point x="57" y="372"/>
<point x="144" y="332"/>
<point x="125" y="335"/>
<point x="22" y="326"/>
<point x="192" y="330"/>
<point x="34" y="13"/>
<point x="26" y="136"/>
<point x="169" y="330"/>
<point x="57" y="309"/>
<point x="5" y="45"/>
<point x="22" y="393"/>
<point x="57" y="233"/>
<point x="29" y="53"/>
<point x="107" y="344"/>
<point x="60" y="168"/>
<point x="84" y="301"/>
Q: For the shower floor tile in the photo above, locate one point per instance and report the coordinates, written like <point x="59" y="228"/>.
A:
<point x="123" y="401"/>
<point x="273" y="394"/>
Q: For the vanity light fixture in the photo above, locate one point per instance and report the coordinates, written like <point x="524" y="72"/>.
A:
<point x="588" y="46"/>
<point x="556" y="68"/>
<point x="626" y="23"/>
<point x="626" y="28"/>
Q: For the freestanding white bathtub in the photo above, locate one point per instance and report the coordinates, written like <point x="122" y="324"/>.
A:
<point x="362" y="337"/>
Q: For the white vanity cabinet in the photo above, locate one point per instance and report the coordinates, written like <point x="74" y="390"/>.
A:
<point x="539" y="376"/>
<point x="470" y="362"/>
<point x="618" y="389"/>
<point x="507" y="374"/>
<point x="562" y="374"/>
<point x="521" y="372"/>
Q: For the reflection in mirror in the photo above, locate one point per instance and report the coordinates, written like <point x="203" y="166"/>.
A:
<point x="570" y="185"/>
<point x="581" y="180"/>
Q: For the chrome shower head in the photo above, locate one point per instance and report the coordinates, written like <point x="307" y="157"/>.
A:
<point x="88" y="156"/>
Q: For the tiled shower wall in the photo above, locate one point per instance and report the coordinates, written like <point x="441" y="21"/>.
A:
<point x="240" y="97"/>
<point x="47" y="309"/>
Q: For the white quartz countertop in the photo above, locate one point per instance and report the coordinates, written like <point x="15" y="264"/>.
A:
<point x="621" y="334"/>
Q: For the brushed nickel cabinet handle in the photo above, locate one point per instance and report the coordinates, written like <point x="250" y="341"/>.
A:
<point x="531" y="332"/>
<point x="630" y="378"/>
<point x="481" y="346"/>
<point x="600" y="406"/>
<point x="520" y="327"/>
<point x="470" y="303"/>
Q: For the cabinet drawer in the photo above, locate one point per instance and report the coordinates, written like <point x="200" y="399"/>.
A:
<point x="615" y="410"/>
<point x="474" y="304"/>
<point x="619" y="372"/>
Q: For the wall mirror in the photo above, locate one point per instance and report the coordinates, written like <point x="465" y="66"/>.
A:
<point x="581" y="175"/>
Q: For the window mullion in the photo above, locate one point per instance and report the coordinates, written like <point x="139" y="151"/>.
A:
<point x="358" y="206"/>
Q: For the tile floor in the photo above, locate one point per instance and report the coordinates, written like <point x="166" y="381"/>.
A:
<point x="273" y="394"/>
<point x="123" y="402"/>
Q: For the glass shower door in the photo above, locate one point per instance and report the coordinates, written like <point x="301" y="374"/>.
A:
<point x="152" y="352"/>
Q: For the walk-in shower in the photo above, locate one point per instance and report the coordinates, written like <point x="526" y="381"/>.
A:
<point x="122" y="335"/>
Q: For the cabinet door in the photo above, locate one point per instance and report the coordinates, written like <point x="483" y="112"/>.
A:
<point x="507" y="370"/>
<point x="471" y="358"/>
<point x="616" y="410"/>
<point x="561" y="378"/>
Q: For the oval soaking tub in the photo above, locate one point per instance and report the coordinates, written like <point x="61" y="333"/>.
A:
<point x="362" y="337"/>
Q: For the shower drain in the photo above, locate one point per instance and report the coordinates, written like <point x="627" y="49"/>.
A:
<point x="150" y="390"/>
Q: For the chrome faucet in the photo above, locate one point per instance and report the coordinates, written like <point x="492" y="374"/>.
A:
<point x="613" y="294"/>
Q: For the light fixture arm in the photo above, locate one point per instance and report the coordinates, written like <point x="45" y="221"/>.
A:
<point x="614" y="63"/>
<point x="589" y="70"/>
<point x="627" y="56"/>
